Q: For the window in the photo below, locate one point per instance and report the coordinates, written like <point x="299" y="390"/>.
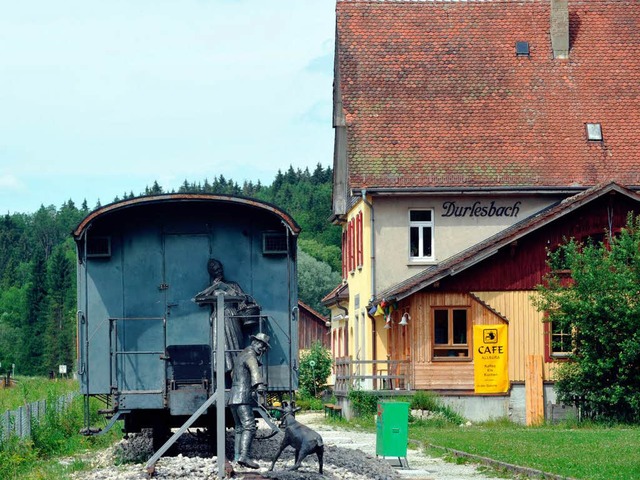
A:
<point x="561" y="341"/>
<point x="98" y="247"/>
<point x="421" y="234"/>
<point x="594" y="132"/>
<point x="352" y="245"/>
<point x="522" y="49"/>
<point x="451" y="333"/>
<point x="274" y="243"/>
<point x="345" y="255"/>
<point x="359" y="242"/>
<point x="351" y="264"/>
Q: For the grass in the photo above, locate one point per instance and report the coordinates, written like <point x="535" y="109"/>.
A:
<point x="587" y="452"/>
<point x="55" y="438"/>
<point x="32" y="389"/>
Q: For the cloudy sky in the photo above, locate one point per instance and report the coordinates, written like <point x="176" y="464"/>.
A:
<point x="100" y="98"/>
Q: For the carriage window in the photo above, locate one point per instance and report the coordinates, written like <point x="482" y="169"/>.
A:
<point x="98" y="247"/>
<point x="274" y="243"/>
<point x="450" y="333"/>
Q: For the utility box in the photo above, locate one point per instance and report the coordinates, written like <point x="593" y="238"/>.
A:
<point x="392" y="430"/>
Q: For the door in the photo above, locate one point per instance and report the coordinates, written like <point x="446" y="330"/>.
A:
<point x="185" y="274"/>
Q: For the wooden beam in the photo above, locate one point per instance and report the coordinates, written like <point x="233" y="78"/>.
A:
<point x="534" y="390"/>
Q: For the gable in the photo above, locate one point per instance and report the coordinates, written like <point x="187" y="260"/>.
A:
<point x="522" y="264"/>
<point x="434" y="95"/>
<point x="515" y="259"/>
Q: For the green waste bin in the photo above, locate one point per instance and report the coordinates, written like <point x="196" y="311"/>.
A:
<point x="392" y="429"/>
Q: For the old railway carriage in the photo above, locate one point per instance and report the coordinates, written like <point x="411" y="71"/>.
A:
<point x="145" y="346"/>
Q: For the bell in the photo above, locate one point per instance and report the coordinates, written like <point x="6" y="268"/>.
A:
<point x="405" y="319"/>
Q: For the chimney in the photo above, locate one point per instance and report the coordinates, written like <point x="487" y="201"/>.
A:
<point x="560" y="28"/>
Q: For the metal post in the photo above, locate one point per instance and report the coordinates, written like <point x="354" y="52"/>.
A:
<point x="220" y="367"/>
<point x="150" y="466"/>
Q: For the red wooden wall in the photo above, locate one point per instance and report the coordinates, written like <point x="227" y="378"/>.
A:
<point x="522" y="265"/>
<point x="312" y="328"/>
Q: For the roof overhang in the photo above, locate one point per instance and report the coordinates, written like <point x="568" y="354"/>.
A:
<point x="474" y="191"/>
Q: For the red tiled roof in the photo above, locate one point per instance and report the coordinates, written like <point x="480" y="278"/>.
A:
<point x="340" y="292"/>
<point x="434" y="95"/>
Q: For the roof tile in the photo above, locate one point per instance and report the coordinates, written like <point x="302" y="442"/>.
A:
<point x="435" y="96"/>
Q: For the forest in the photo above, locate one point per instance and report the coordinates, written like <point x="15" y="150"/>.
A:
<point x="38" y="263"/>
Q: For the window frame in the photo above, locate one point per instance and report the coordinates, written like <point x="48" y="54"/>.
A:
<point x="451" y="346"/>
<point x="565" y="337"/>
<point x="420" y="225"/>
<point x="550" y="354"/>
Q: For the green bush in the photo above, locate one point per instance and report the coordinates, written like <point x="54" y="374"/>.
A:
<point x="315" y="367"/>
<point x="364" y="404"/>
<point x="599" y="308"/>
<point x="425" y="401"/>
<point x="308" y="403"/>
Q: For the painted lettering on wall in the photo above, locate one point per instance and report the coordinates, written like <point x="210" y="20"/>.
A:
<point x="480" y="209"/>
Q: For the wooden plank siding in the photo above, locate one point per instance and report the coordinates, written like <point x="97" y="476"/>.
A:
<point x="505" y="283"/>
<point x="414" y="341"/>
<point x="522" y="265"/>
<point x="526" y="329"/>
<point x="312" y="328"/>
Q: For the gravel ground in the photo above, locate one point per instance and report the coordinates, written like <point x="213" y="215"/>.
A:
<point x="349" y="455"/>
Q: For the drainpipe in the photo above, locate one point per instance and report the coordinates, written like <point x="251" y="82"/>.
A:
<point x="344" y="309"/>
<point x="373" y="245"/>
<point x="374" y="350"/>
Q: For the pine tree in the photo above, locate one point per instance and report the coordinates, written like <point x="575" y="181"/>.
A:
<point x="32" y="359"/>
<point x="60" y="319"/>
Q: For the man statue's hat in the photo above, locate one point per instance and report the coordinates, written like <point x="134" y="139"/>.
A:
<point x="262" y="337"/>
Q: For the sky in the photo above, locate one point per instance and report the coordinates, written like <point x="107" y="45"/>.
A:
<point x="101" y="98"/>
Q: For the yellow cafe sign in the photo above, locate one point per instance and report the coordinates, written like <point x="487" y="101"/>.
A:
<point x="491" y="369"/>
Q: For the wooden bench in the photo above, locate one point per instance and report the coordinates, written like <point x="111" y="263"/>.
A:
<point x="332" y="410"/>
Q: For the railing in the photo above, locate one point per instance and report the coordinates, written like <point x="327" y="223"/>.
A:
<point x="385" y="374"/>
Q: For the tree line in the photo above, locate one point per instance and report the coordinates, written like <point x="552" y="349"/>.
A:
<point x="38" y="262"/>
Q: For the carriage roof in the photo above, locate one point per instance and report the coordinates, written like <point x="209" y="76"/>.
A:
<point x="174" y="198"/>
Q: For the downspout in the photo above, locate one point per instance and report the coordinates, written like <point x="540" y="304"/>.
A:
<point x="344" y="309"/>
<point x="373" y="244"/>
<point x="374" y="350"/>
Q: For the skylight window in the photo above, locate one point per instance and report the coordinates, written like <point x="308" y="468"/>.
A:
<point x="594" y="132"/>
<point x="522" y="49"/>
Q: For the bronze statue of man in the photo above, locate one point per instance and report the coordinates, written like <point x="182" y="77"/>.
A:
<point x="247" y="380"/>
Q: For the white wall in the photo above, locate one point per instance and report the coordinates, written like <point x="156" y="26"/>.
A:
<point x="453" y="234"/>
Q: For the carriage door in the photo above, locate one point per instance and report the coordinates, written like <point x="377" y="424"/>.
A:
<point x="188" y="328"/>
